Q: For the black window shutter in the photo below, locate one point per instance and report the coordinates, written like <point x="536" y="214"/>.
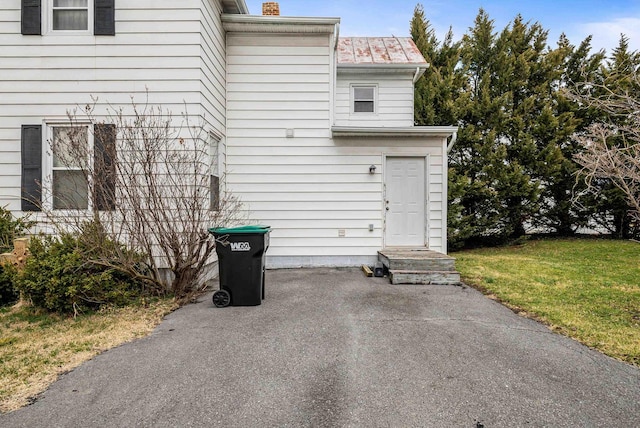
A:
<point x="104" y="22"/>
<point x="31" y="148"/>
<point x="31" y="17"/>
<point x="214" y="193"/>
<point x="104" y="167"/>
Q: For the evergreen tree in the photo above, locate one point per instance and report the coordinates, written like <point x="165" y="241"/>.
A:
<point x="504" y="111"/>
<point x="523" y="79"/>
<point x="436" y="90"/>
<point x="478" y="160"/>
<point x="558" y="177"/>
<point x="512" y="166"/>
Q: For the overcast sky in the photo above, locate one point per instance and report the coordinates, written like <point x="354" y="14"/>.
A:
<point x="604" y="19"/>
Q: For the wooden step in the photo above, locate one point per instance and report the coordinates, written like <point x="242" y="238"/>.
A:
<point x="424" y="277"/>
<point x="416" y="260"/>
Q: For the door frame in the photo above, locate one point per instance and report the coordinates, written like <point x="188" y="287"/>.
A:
<point x="426" y="158"/>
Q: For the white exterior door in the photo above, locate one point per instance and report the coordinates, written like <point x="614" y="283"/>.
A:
<point x="405" y="202"/>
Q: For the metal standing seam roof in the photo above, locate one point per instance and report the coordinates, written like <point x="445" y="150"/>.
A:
<point x="378" y="51"/>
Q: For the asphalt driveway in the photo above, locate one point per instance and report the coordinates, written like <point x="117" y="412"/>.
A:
<point x="331" y="348"/>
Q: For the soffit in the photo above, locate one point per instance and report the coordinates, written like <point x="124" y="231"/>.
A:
<point x="411" y="131"/>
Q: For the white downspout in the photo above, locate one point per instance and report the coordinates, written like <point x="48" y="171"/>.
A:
<point x="334" y="75"/>
<point x="454" y="137"/>
<point x="419" y="73"/>
<point x="416" y="76"/>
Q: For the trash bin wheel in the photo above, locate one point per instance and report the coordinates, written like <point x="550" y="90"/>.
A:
<point x="221" y="298"/>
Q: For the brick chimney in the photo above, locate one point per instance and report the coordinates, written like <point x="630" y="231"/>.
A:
<point x="271" y="8"/>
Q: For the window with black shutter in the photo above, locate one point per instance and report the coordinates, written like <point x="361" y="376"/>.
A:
<point x="74" y="181"/>
<point x="69" y="16"/>
<point x="31" y="149"/>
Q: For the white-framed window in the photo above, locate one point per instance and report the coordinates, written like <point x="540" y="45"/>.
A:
<point x="364" y="99"/>
<point x="69" y="187"/>
<point x="70" y="15"/>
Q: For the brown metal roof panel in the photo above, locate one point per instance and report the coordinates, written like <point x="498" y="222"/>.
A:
<point x="379" y="54"/>
<point x="411" y="50"/>
<point x="394" y="50"/>
<point x="345" y="51"/>
<point x="378" y="50"/>
<point x="362" y="51"/>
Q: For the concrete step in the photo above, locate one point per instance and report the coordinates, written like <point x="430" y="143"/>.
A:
<point x="424" y="277"/>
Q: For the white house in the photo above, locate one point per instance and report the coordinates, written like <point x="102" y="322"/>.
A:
<point x="316" y="129"/>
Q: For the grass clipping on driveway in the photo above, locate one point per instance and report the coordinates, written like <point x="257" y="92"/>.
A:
<point x="588" y="289"/>
<point x="35" y="348"/>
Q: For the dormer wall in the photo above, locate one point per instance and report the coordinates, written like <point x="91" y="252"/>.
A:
<point x="374" y="84"/>
<point x="392" y="99"/>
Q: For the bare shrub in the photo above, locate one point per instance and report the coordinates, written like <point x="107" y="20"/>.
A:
<point x="612" y="145"/>
<point x="149" y="184"/>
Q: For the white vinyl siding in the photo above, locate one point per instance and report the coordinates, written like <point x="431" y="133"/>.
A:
<point x="309" y="187"/>
<point x="393" y="99"/>
<point x="272" y="99"/>
<point x="213" y="66"/>
<point x="175" y="50"/>
<point x="309" y="194"/>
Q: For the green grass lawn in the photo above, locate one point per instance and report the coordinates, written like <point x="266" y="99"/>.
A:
<point x="588" y="289"/>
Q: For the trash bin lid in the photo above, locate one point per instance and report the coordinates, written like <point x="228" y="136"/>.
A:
<point x="257" y="229"/>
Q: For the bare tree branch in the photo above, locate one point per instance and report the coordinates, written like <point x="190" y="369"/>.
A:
<point x="159" y="173"/>
<point x="612" y="146"/>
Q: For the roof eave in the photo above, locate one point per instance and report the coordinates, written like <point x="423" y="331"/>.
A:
<point x="381" y="68"/>
<point x="282" y="24"/>
<point x="242" y="7"/>
<point x="235" y="6"/>
<point x="410" y="131"/>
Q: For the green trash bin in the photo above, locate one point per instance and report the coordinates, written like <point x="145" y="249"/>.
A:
<point x="241" y="264"/>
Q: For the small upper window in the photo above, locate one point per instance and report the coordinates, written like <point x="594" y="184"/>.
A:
<point x="70" y="15"/>
<point x="364" y="99"/>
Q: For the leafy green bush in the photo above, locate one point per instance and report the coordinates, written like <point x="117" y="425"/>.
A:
<point x="8" y="293"/>
<point x="11" y="228"/>
<point x="60" y="276"/>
